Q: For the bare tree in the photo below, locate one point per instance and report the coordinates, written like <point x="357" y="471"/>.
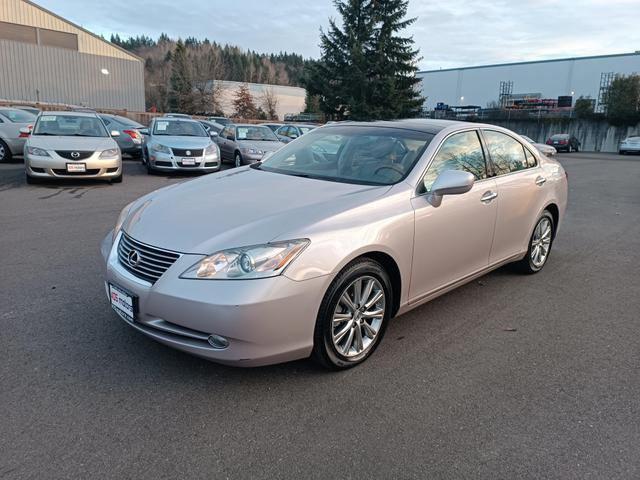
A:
<point x="270" y="103"/>
<point x="207" y="69"/>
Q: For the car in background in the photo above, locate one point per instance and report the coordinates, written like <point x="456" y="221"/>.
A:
<point x="564" y="142"/>
<point x="177" y="115"/>
<point x="273" y="126"/>
<point x="33" y="110"/>
<point x="246" y="143"/>
<point x="221" y="120"/>
<point x="72" y="145"/>
<point x="130" y="139"/>
<point x="212" y="128"/>
<point x="541" y="147"/>
<point x="15" y="125"/>
<point x="629" y="145"/>
<point x="179" y="144"/>
<point x="321" y="250"/>
<point x="287" y="133"/>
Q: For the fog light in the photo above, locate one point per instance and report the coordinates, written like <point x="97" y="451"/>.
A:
<point x="216" y="341"/>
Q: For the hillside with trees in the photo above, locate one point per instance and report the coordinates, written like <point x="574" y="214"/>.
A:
<point x="180" y="74"/>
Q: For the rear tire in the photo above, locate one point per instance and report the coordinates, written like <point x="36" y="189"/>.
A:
<point x="5" y="152"/>
<point x="334" y="351"/>
<point x="533" y="262"/>
<point x="238" y="159"/>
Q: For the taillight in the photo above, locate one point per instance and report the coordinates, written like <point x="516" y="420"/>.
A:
<point x="564" y="142"/>
<point x="134" y="134"/>
<point x="24" y="134"/>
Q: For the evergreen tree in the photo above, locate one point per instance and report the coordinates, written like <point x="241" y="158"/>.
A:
<point x="367" y="70"/>
<point x="243" y="103"/>
<point x="623" y="100"/>
<point x="181" y="95"/>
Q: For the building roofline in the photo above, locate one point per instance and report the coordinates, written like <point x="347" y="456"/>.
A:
<point x="136" y="57"/>
<point x="532" y="61"/>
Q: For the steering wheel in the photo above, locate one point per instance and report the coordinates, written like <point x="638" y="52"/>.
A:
<point x="319" y="157"/>
<point x="395" y="168"/>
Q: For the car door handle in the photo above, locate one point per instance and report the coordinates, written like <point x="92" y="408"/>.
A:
<point x="540" y="181"/>
<point x="488" y="196"/>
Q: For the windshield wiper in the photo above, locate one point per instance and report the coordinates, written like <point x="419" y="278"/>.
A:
<point x="47" y="133"/>
<point x="83" y="135"/>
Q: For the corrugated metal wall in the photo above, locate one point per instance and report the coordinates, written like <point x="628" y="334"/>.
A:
<point x="36" y="73"/>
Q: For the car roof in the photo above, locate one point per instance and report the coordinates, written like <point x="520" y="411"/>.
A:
<point x="247" y="125"/>
<point x="425" y="125"/>
<point x="62" y="113"/>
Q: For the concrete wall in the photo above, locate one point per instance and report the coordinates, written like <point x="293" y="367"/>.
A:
<point x="595" y="136"/>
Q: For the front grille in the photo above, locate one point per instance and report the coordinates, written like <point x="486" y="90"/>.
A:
<point x="182" y="152"/>
<point x="89" y="171"/>
<point x="68" y="154"/>
<point x="152" y="263"/>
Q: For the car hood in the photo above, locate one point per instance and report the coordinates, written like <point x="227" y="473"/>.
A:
<point x="71" y="143"/>
<point x="182" y="142"/>
<point x="260" y="145"/>
<point x="237" y="208"/>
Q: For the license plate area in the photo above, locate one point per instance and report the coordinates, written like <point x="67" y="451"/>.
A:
<point x="76" y="167"/>
<point x="188" y="162"/>
<point x="123" y="302"/>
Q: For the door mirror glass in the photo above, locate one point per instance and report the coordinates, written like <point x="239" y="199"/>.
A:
<point x="115" y="133"/>
<point x="450" y="182"/>
<point x="213" y="134"/>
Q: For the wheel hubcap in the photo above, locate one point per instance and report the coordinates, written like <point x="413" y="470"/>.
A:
<point x="541" y="243"/>
<point x="358" y="316"/>
<point x="2" y="152"/>
<point x="237" y="161"/>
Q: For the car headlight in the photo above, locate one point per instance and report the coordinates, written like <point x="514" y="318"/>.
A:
<point x="253" y="151"/>
<point x="158" y="147"/>
<point x="111" y="153"/>
<point x="121" y="218"/>
<point x="211" y="150"/>
<point x="39" y="152"/>
<point x="257" y="261"/>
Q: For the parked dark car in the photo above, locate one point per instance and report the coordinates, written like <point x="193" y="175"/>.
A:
<point x="289" y="132"/>
<point x="212" y="127"/>
<point x="221" y="120"/>
<point x="130" y="139"/>
<point x="563" y="142"/>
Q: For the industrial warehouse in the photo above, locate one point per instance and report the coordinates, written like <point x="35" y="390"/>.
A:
<point x="47" y="59"/>
<point x="548" y="83"/>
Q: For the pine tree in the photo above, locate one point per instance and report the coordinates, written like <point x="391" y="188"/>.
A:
<point x="181" y="95"/>
<point x="243" y="103"/>
<point x="367" y="70"/>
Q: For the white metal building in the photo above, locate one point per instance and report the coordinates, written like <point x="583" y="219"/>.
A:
<point x="45" y="58"/>
<point x="544" y="79"/>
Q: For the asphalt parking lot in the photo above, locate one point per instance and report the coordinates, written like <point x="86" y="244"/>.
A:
<point x="507" y="377"/>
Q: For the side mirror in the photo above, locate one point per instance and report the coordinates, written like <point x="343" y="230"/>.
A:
<point x="213" y="134"/>
<point x="115" y="133"/>
<point x="450" y="182"/>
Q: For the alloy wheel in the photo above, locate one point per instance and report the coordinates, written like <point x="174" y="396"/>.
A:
<point x="3" y="152"/>
<point x="358" y="316"/>
<point x="541" y="242"/>
<point x="238" y="160"/>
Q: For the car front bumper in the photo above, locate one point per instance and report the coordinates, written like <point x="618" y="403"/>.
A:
<point x="265" y="321"/>
<point x="56" y="167"/>
<point x="168" y="163"/>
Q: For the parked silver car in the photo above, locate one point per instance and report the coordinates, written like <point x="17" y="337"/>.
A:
<point x="541" y="147"/>
<point x="245" y="143"/>
<point x="629" y="145"/>
<point x="329" y="238"/>
<point x="130" y="139"/>
<point x="179" y="144"/>
<point x="287" y="133"/>
<point x="72" y="145"/>
<point x="12" y="139"/>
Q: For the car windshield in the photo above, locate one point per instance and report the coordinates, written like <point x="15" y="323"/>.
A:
<point x="179" y="128"/>
<point x="256" y="133"/>
<point x="18" y="116"/>
<point x="70" y="126"/>
<point x="351" y="154"/>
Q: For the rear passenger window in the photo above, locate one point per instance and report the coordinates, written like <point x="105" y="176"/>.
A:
<point x="461" y="151"/>
<point x="507" y="154"/>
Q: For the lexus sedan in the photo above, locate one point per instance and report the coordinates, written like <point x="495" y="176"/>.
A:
<point x="541" y="147"/>
<point x="629" y="145"/>
<point x="15" y="126"/>
<point x="179" y="144"/>
<point x="72" y="145"/>
<point x="130" y="138"/>
<point x="329" y="238"/>
<point x="244" y="143"/>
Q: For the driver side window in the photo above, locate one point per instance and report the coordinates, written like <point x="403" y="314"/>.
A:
<point x="461" y="151"/>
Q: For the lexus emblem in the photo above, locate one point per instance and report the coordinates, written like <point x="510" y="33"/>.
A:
<point x="75" y="154"/>
<point x="133" y="258"/>
<point x="188" y="153"/>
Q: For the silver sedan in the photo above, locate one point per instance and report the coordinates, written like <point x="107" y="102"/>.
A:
<point x="329" y="238"/>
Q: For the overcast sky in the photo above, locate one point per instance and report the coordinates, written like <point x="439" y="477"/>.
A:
<point x="449" y="33"/>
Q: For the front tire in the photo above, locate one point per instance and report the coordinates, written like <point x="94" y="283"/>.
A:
<point x="5" y="152"/>
<point x="353" y="316"/>
<point x="540" y="244"/>
<point x="238" y="159"/>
